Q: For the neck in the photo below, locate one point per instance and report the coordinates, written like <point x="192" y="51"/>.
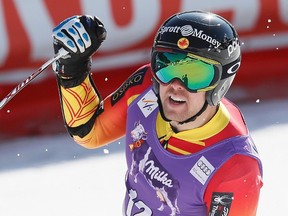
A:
<point x="201" y="120"/>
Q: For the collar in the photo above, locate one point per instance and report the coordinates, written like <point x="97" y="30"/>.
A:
<point x="219" y="121"/>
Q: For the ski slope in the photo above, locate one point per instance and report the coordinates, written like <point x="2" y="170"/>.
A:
<point x="54" y="176"/>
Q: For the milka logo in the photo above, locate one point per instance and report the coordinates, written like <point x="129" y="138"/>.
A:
<point x="155" y="173"/>
<point x="188" y="30"/>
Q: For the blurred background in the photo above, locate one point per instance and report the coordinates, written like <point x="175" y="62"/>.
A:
<point x="43" y="172"/>
<point x="26" y="43"/>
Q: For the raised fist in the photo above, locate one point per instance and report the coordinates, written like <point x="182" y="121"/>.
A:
<point x="81" y="36"/>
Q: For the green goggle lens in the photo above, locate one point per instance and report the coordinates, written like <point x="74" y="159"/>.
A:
<point x="194" y="73"/>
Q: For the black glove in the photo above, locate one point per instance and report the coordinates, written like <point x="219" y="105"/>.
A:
<point x="81" y="36"/>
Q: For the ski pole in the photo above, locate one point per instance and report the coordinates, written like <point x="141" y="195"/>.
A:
<point x="62" y="52"/>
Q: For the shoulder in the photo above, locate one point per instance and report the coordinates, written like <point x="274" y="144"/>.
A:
<point x="243" y="164"/>
<point x="141" y="77"/>
<point x="134" y="85"/>
<point x="240" y="176"/>
<point x="237" y="122"/>
<point x="238" y="171"/>
<point x="232" y="108"/>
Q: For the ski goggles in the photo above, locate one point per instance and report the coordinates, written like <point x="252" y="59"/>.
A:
<point x="195" y="72"/>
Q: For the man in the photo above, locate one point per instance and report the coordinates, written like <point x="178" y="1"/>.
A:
<point x="188" y="149"/>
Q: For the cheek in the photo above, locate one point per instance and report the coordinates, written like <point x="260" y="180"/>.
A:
<point x="201" y="96"/>
<point x="162" y="87"/>
<point x="162" y="90"/>
<point x="197" y="99"/>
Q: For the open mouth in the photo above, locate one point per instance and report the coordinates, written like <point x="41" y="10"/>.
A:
<point x="176" y="100"/>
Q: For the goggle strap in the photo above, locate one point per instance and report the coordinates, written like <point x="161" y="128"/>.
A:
<point x="206" y="60"/>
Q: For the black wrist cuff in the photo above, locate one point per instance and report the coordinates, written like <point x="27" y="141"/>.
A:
<point x="70" y="82"/>
<point x="71" y="75"/>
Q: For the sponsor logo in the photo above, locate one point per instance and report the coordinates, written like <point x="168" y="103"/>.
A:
<point x="148" y="103"/>
<point x="202" y="169"/>
<point x="166" y="187"/>
<point x="233" y="68"/>
<point x="157" y="174"/>
<point x="138" y="135"/>
<point x="188" y="30"/>
<point x="233" y="47"/>
<point x="220" y="204"/>
<point x="183" y="43"/>
<point x="135" y="79"/>
<point x="201" y="164"/>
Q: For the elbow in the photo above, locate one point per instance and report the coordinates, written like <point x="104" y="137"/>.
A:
<point x="86" y="142"/>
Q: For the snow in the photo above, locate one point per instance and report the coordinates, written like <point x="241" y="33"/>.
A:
<point x="54" y="176"/>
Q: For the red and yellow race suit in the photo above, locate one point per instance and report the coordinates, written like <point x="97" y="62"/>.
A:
<point x="94" y="123"/>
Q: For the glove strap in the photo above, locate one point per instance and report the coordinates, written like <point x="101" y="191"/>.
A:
<point x="70" y="82"/>
<point x="72" y="75"/>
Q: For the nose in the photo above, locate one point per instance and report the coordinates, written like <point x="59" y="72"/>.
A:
<point x="177" y="84"/>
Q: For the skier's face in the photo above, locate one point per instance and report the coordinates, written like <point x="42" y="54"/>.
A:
<point x="178" y="103"/>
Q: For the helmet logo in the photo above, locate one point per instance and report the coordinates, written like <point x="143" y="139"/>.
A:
<point x="183" y="43"/>
<point x="233" y="68"/>
<point x="233" y="47"/>
<point x="188" y="30"/>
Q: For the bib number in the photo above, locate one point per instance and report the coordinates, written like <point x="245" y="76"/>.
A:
<point x="144" y="210"/>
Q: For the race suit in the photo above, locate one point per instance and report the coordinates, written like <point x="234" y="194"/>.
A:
<point x="210" y="170"/>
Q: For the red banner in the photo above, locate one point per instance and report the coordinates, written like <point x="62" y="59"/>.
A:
<point x="26" y="43"/>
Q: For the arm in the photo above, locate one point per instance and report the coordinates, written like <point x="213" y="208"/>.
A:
<point x="101" y="122"/>
<point x="85" y="118"/>
<point x="81" y="103"/>
<point x="89" y="120"/>
<point x="110" y="124"/>
<point x="240" y="176"/>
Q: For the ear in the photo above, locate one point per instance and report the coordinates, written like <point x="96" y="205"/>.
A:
<point x="214" y="96"/>
<point x="155" y="86"/>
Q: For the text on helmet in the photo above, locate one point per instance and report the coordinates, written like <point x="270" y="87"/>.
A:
<point x="232" y="47"/>
<point x="188" y="30"/>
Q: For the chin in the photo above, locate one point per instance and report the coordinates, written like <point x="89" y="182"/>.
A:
<point x="174" y="117"/>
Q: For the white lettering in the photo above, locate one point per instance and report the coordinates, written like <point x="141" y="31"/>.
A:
<point x="188" y="30"/>
<point x="199" y="34"/>
<point x="157" y="174"/>
<point x="144" y="209"/>
<point x="232" y="47"/>
<point x="225" y="211"/>
<point x="214" y="210"/>
<point x="196" y="33"/>
<point x="170" y="29"/>
<point x="132" y="196"/>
